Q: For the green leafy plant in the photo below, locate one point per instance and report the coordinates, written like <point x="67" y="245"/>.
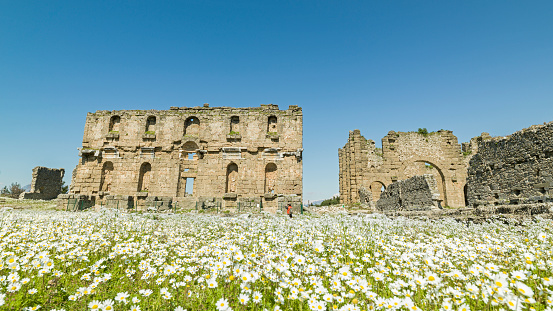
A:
<point x="423" y="131"/>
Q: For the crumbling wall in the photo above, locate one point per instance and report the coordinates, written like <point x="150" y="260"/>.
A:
<point x="403" y="155"/>
<point x="517" y="169"/>
<point x="418" y="193"/>
<point x="46" y="184"/>
<point x="365" y="196"/>
<point x="225" y="153"/>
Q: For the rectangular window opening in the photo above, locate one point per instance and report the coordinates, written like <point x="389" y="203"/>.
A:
<point x="189" y="189"/>
<point x="191" y="155"/>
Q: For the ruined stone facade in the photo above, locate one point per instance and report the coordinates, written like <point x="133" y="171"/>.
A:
<point x="418" y="193"/>
<point x="46" y="184"/>
<point x="191" y="155"/>
<point x="513" y="170"/>
<point x="404" y="155"/>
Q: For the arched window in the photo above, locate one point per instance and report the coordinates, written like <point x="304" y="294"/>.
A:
<point x="270" y="178"/>
<point x="151" y="125"/>
<point x="192" y="126"/>
<point x="114" y="123"/>
<point x="235" y="125"/>
<point x="107" y="177"/>
<point x="272" y="124"/>
<point x="232" y="178"/>
<point x="144" y="177"/>
<point x="189" y="151"/>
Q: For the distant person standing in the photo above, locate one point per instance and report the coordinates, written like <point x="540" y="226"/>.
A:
<point x="289" y="210"/>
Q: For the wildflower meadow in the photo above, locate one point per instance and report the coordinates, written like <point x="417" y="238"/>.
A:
<point x="107" y="260"/>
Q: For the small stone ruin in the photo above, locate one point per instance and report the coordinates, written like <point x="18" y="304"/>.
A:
<point x="46" y="184"/>
<point x="418" y="193"/>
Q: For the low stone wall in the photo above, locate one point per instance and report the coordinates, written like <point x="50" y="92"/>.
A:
<point x="186" y="203"/>
<point x="118" y="201"/>
<point x="74" y="202"/>
<point x="295" y="201"/>
<point x="209" y="203"/>
<point x="417" y="193"/>
<point x="158" y="203"/>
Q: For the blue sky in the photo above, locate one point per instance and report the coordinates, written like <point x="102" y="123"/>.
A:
<point x="466" y="66"/>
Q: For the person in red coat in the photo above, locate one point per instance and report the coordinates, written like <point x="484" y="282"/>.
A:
<point x="289" y="210"/>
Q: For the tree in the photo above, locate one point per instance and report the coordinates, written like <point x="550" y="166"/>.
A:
<point x="16" y="190"/>
<point x="332" y="201"/>
<point x="423" y="131"/>
<point x="64" y="187"/>
<point x="5" y="191"/>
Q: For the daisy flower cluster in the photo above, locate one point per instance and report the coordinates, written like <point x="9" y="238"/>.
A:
<point x="52" y="260"/>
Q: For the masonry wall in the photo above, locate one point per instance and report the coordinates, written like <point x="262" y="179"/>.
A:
<point x="517" y="169"/>
<point x="403" y="155"/>
<point x="230" y="153"/>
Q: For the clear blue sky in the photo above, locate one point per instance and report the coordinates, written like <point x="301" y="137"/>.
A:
<point x="466" y="66"/>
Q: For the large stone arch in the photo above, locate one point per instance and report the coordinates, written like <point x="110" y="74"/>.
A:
<point x="421" y="166"/>
<point x="403" y="155"/>
<point x="377" y="187"/>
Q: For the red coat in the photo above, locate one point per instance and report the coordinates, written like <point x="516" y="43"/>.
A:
<point x="289" y="210"/>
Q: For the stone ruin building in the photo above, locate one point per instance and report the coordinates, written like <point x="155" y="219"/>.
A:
<point x="46" y="184"/>
<point x="206" y="156"/>
<point x="512" y="170"/>
<point x="363" y="167"/>
<point x="512" y="174"/>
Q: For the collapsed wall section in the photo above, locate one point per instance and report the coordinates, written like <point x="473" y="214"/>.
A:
<point x="517" y="169"/>
<point x="418" y="193"/>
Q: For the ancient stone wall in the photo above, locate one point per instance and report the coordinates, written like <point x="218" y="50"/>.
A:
<point x="46" y="184"/>
<point x="404" y="155"/>
<point x="213" y="152"/>
<point x="517" y="169"/>
<point x="418" y="193"/>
